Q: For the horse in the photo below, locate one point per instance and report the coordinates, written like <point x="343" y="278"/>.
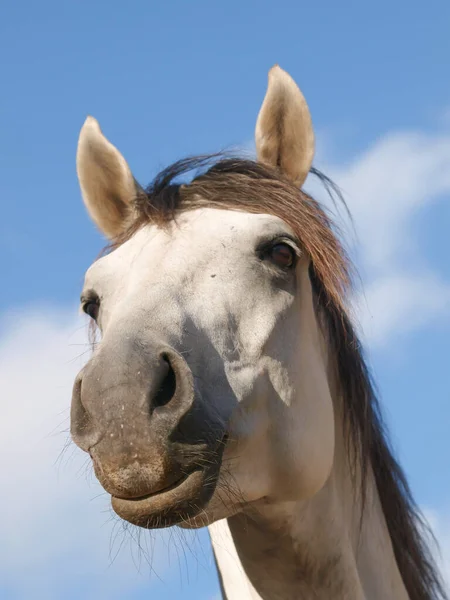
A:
<point x="229" y="388"/>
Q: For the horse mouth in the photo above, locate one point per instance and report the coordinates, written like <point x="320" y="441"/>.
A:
<point x="174" y="504"/>
<point x="168" y="488"/>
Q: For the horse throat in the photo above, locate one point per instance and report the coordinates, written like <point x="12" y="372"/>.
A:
<point x="315" y="549"/>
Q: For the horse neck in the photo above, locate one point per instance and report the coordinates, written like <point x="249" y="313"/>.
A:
<point x="320" y="548"/>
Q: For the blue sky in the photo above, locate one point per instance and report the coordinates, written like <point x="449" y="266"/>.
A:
<point x="176" y="78"/>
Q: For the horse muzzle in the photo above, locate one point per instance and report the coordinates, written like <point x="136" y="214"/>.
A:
<point x="154" y="445"/>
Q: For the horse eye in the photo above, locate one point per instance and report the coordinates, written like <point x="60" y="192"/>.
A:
<point x="91" y="309"/>
<point x="283" y="255"/>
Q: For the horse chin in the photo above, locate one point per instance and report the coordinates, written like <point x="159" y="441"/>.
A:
<point x="206" y="518"/>
<point x="181" y="502"/>
<point x="220" y="506"/>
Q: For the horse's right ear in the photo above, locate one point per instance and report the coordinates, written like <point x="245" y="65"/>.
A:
<point x="107" y="184"/>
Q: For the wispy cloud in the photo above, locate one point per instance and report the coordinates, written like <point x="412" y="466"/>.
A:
<point x="387" y="189"/>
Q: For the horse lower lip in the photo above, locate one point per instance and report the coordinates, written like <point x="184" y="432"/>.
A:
<point x="163" y="508"/>
<point x="172" y="486"/>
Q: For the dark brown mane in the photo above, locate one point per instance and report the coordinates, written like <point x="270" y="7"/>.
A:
<point x="237" y="184"/>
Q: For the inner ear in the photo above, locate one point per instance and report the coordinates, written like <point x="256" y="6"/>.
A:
<point x="107" y="184"/>
<point x="284" y="134"/>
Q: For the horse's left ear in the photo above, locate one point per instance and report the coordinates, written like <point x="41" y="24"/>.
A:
<point x="284" y="133"/>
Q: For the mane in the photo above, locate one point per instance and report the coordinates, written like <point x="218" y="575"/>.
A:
<point x="245" y="185"/>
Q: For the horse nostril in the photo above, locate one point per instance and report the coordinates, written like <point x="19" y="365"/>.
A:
<point x="79" y="418"/>
<point x="167" y="389"/>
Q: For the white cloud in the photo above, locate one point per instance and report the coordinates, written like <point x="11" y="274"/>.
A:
<point x="55" y="528"/>
<point x="396" y="304"/>
<point x="387" y="189"/>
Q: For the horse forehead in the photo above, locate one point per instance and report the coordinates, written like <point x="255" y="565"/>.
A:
<point x="193" y="231"/>
<point x="214" y="226"/>
<point x="213" y="223"/>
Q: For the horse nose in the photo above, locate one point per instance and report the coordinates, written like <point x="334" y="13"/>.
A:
<point x="134" y="395"/>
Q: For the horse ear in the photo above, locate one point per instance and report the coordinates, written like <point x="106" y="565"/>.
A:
<point x="107" y="184"/>
<point x="284" y="133"/>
